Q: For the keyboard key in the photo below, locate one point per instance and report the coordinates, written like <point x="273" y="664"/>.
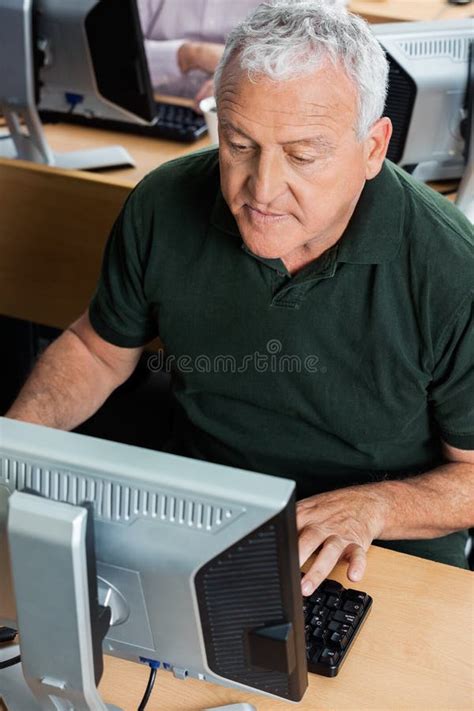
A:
<point x="347" y="630"/>
<point x="354" y="607"/>
<point x="316" y="655"/>
<point x="357" y="596"/>
<point x="346" y="617"/>
<point x="320" y="633"/>
<point x="344" y="641"/>
<point x="318" y="598"/>
<point x="332" y="602"/>
<point x="322" y="615"/>
<point x="331" y="587"/>
<point x="334" y="626"/>
<point x="329" y="656"/>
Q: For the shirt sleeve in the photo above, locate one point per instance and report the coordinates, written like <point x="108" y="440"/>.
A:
<point x="119" y="311"/>
<point x="162" y="58"/>
<point x="452" y="390"/>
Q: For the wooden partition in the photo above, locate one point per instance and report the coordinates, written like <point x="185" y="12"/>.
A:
<point x="53" y="228"/>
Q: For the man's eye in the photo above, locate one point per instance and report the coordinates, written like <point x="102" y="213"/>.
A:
<point x="239" y="147"/>
<point x="301" y="160"/>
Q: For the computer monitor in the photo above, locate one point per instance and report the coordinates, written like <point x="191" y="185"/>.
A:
<point x="427" y="95"/>
<point x="85" y="57"/>
<point x="198" y="563"/>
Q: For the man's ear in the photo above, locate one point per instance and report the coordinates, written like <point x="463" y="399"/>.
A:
<point x="376" y="146"/>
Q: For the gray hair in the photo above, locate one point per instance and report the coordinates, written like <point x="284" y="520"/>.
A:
<point x="283" y="39"/>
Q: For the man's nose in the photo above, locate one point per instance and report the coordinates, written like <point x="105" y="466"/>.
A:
<point x="267" y="182"/>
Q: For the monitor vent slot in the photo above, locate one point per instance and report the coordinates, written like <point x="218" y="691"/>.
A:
<point x="114" y="501"/>
<point x="399" y="107"/>
<point x="236" y="591"/>
<point x="456" y="48"/>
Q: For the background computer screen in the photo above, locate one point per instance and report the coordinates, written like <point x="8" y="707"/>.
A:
<point x="427" y="95"/>
<point x="90" y="59"/>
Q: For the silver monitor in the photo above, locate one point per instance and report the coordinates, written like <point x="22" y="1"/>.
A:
<point x="426" y="100"/>
<point x="86" y="57"/>
<point x="197" y="562"/>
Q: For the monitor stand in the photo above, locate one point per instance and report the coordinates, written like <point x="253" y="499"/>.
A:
<point x="27" y="141"/>
<point x="61" y="656"/>
<point x="14" y="691"/>
<point x="436" y="170"/>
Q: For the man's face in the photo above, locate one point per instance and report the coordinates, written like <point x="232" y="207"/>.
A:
<point x="292" y="168"/>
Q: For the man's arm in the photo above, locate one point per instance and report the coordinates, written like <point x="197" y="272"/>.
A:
<point x="73" y="377"/>
<point x="343" y="523"/>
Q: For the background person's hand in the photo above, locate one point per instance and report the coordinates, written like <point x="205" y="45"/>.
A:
<point x="339" y="525"/>
<point x="199" y="55"/>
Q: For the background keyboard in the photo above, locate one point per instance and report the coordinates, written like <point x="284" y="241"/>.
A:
<point x="333" y="618"/>
<point x="175" y="123"/>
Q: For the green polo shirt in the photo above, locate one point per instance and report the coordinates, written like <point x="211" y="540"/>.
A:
<point x="350" y="371"/>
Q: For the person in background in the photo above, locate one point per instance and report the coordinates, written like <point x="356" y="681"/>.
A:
<point x="184" y="41"/>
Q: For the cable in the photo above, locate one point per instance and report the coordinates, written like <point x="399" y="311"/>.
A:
<point x="149" y="688"/>
<point x="8" y="634"/>
<point x="10" y="662"/>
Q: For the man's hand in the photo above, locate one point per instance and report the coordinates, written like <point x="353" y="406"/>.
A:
<point x="341" y="524"/>
<point x="199" y="55"/>
<point x="338" y="525"/>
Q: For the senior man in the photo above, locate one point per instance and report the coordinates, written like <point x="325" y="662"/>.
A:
<point x="336" y="290"/>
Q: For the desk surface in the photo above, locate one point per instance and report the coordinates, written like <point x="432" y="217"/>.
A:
<point x="409" y="10"/>
<point x="415" y="652"/>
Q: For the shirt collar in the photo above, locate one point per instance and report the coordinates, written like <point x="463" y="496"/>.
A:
<point x="374" y="232"/>
<point x="375" y="229"/>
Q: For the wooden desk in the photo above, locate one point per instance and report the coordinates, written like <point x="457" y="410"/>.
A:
<point x="409" y="10"/>
<point x="415" y="652"/>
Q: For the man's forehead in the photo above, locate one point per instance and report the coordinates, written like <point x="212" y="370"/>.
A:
<point x="318" y="98"/>
<point x="307" y="121"/>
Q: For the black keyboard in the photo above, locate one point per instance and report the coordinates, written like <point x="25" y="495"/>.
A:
<point x="333" y="618"/>
<point x="175" y="123"/>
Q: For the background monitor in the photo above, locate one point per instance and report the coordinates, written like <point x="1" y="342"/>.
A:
<point x="90" y="59"/>
<point x="197" y="561"/>
<point x="85" y="57"/>
<point x="427" y="95"/>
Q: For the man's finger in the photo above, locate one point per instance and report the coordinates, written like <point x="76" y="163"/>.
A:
<point x="357" y="563"/>
<point x="324" y="562"/>
<point x="309" y="540"/>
